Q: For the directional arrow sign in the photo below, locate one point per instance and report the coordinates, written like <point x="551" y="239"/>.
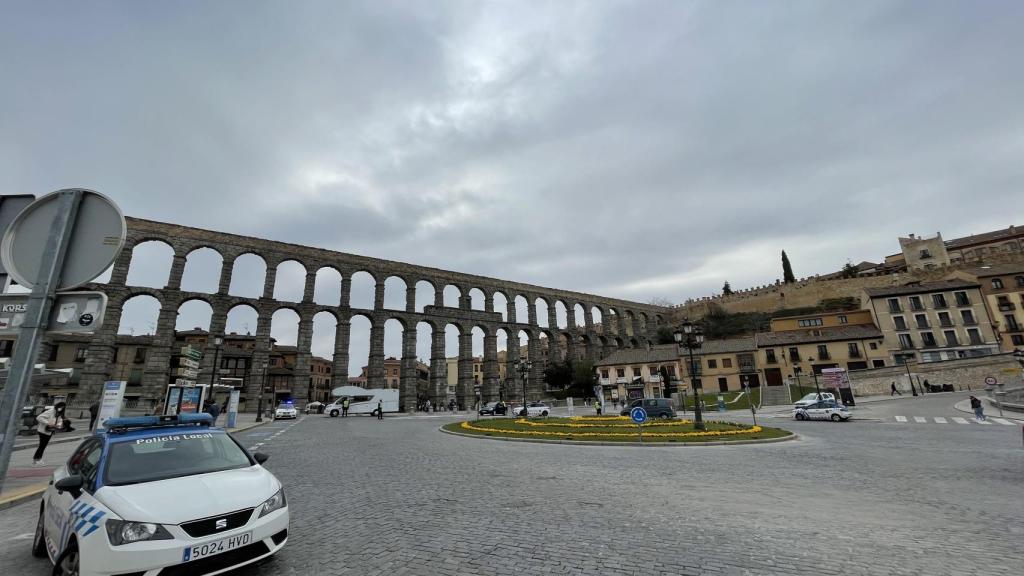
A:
<point x="187" y="373"/>
<point x="189" y="363"/>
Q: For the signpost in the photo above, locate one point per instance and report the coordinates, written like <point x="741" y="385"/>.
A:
<point x="188" y="363"/>
<point x="110" y="404"/>
<point x="639" y="415"/>
<point x="233" y="408"/>
<point x="58" y="242"/>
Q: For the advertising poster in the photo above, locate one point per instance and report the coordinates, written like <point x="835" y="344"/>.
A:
<point x="171" y="406"/>
<point x="190" y="398"/>
<point x="233" y="408"/>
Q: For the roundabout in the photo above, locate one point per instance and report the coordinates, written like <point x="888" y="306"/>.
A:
<point x="615" y="429"/>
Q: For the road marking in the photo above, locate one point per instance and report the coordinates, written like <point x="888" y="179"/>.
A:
<point x="959" y="420"/>
<point x="985" y="422"/>
<point x="1001" y="421"/>
<point x="901" y="418"/>
<point x="940" y="420"/>
<point x="920" y="419"/>
<point x="25" y="536"/>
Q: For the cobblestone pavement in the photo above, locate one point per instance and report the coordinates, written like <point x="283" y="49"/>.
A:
<point x="868" y="497"/>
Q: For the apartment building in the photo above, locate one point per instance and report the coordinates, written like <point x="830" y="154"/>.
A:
<point x="633" y="373"/>
<point x="723" y="365"/>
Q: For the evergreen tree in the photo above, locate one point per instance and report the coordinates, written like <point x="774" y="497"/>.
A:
<point x="787" y="270"/>
<point x="726" y="289"/>
<point x="849" y="270"/>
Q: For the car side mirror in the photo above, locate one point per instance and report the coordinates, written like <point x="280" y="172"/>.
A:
<point x="72" y="484"/>
<point x="260" y="457"/>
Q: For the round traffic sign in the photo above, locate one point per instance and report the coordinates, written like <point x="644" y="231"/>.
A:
<point x="990" y="380"/>
<point x="96" y="239"/>
<point x="638" y="414"/>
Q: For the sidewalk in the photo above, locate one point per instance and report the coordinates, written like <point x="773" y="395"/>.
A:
<point x="990" y="410"/>
<point x="24" y="482"/>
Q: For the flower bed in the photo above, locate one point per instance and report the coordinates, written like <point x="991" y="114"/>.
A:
<point x="614" y="429"/>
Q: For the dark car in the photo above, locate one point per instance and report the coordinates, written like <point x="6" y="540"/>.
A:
<point x="494" y="409"/>
<point x="655" y="407"/>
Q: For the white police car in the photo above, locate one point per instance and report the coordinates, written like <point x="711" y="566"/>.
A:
<point x="824" y="410"/>
<point x="160" y="495"/>
<point x="286" y="410"/>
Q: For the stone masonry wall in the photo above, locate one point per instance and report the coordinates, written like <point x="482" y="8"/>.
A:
<point x="965" y="373"/>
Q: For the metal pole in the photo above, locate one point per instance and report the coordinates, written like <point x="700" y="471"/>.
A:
<point x="816" y="389"/>
<point x="698" y="420"/>
<point x="910" y="378"/>
<point x="259" y="405"/>
<point x="40" y="301"/>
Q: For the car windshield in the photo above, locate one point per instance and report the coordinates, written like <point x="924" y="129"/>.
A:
<point x="172" y="456"/>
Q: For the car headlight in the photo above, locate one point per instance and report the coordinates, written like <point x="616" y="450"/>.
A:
<point x="122" y="532"/>
<point x="275" y="502"/>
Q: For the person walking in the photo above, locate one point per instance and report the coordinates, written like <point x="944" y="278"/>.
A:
<point x="597" y="406"/>
<point x="979" y="410"/>
<point x="427" y="406"/>
<point x="51" y="420"/>
<point x="344" y="408"/>
<point x="895" y="392"/>
<point x="213" y="409"/>
<point x="380" y="409"/>
<point x="94" y="410"/>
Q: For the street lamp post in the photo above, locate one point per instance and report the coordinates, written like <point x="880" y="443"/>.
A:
<point x="906" y="364"/>
<point x="217" y="341"/>
<point x="692" y="337"/>
<point x="524" y="371"/>
<point x="259" y="405"/>
<point x="817" y="390"/>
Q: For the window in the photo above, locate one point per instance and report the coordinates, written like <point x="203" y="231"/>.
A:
<point x="974" y="336"/>
<point x="925" y="254"/>
<point x="794" y="354"/>
<point x="962" y="299"/>
<point x="878" y="363"/>
<point x="1020" y="280"/>
<point x="968" y="316"/>
<point x="672" y="370"/>
<point x="915" y="303"/>
<point x="80" y="354"/>
<point x="944" y="319"/>
<point x="997" y="283"/>
<point x="712" y="363"/>
<point x="723" y="384"/>
<point x="841" y="318"/>
<point x="928" y="339"/>
<point x="894" y="305"/>
<point x="853" y="350"/>
<point x="1017" y="339"/>
<point x="951" y="338"/>
<point x="809" y="322"/>
<point x="53" y="351"/>
<point x="906" y="342"/>
<point x="637" y="372"/>
<point x="873" y="345"/>
<point x="652" y="370"/>
<point x="769" y="356"/>
<point x="939" y="300"/>
<point x="922" y="320"/>
<point x="899" y="322"/>
<point x="394" y="371"/>
<point x="604" y="374"/>
<point x="620" y="372"/>
<point x="140" y="355"/>
<point x="823" y="352"/>
<point x="1011" y="323"/>
<point x="726" y="362"/>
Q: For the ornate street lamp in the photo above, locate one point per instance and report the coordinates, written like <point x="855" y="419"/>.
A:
<point x="692" y="337"/>
<point x="217" y="341"/>
<point x="524" y="372"/>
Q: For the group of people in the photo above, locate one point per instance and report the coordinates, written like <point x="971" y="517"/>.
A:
<point x="450" y="406"/>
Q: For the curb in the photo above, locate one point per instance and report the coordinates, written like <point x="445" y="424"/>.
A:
<point x="22" y="495"/>
<point x="1018" y="419"/>
<point x="792" y="436"/>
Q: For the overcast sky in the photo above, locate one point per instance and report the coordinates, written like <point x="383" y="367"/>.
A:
<point x="636" y="150"/>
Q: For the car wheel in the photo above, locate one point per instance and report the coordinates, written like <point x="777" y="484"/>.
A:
<point x="544" y="413"/>
<point x="836" y="417"/>
<point x="67" y="562"/>
<point x="334" y="413"/>
<point x="665" y="416"/>
<point x="800" y="416"/>
<point x="38" y="540"/>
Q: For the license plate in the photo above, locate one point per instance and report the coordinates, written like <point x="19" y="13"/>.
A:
<point x="216" y="547"/>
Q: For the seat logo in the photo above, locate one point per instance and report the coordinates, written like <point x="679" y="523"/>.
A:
<point x="222" y="523"/>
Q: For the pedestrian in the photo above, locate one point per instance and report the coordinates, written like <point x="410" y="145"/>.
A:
<point x="94" y="410"/>
<point x="979" y="410"/>
<point x="895" y="392"/>
<point x="927" y="386"/>
<point x="597" y="406"/>
<point x="427" y="410"/>
<point x="213" y="409"/>
<point x="51" y="420"/>
<point x="380" y="409"/>
<point x="344" y="407"/>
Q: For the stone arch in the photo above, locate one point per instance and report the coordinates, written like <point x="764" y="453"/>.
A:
<point x="477" y="299"/>
<point x="289" y="281"/>
<point x="242" y="319"/>
<point x="202" y="270"/>
<point x="596" y="316"/>
<point x="561" y="315"/>
<point x="500" y="305"/>
<point x="325" y="325"/>
<point x="193" y="314"/>
<point x="360" y="326"/>
<point x="579" y="315"/>
<point x="248" y="275"/>
<point x="327" y="286"/>
<point x="140" y="315"/>
<point x="426" y="293"/>
<point x="151" y="264"/>
<point x="394" y="329"/>
<point x="540" y="305"/>
<point x="452" y="295"/>
<point x="363" y="288"/>
<point x="521" y="306"/>
<point x="395" y="293"/>
<point x="284" y="326"/>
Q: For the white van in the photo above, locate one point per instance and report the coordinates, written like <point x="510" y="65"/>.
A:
<point x="361" y="400"/>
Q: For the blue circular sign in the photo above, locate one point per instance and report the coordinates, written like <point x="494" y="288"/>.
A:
<point x="638" y="414"/>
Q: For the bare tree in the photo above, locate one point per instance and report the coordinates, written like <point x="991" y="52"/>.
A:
<point x="660" y="301"/>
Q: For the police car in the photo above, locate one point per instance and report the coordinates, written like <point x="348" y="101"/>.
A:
<point x="160" y="495"/>
<point x="286" y="410"/>
<point x="824" y="410"/>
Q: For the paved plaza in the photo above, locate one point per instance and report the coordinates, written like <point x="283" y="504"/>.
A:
<point x="924" y="494"/>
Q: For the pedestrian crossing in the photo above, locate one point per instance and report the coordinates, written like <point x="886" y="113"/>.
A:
<point x="989" y="421"/>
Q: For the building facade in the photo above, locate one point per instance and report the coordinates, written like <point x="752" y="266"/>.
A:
<point x="637" y="372"/>
<point x="932" y="321"/>
<point x="724" y="365"/>
<point x="1003" y="290"/>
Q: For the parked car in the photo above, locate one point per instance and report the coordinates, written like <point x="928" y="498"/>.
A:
<point x="494" y="409"/>
<point x="315" y="408"/>
<point x="655" y="407"/>
<point x="533" y="409"/>
<point x="824" y="410"/>
<point x="814" y="398"/>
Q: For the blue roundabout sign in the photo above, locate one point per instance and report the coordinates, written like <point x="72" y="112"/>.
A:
<point x="638" y="414"/>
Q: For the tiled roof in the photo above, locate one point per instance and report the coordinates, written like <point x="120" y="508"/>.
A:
<point x="1000" y="270"/>
<point x="1005" y="233"/>
<point x="766" y="339"/>
<point x="641" y="355"/>
<point x="729" y="346"/>
<point x="920" y="288"/>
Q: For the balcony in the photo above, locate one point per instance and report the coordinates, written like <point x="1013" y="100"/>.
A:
<point x="603" y="381"/>
<point x="906" y="345"/>
<point x="976" y="340"/>
<point x="794" y="357"/>
<point x="824" y="356"/>
<point x="621" y="380"/>
<point x="654" y="378"/>
<point x="963" y="301"/>
<point x="1007" y="306"/>
<point x="946" y="323"/>
<point x="895" y="308"/>
<point x="855" y="354"/>
<point x="923" y="324"/>
<point x="971" y="322"/>
<point x="916" y="306"/>
<point x="747" y="369"/>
